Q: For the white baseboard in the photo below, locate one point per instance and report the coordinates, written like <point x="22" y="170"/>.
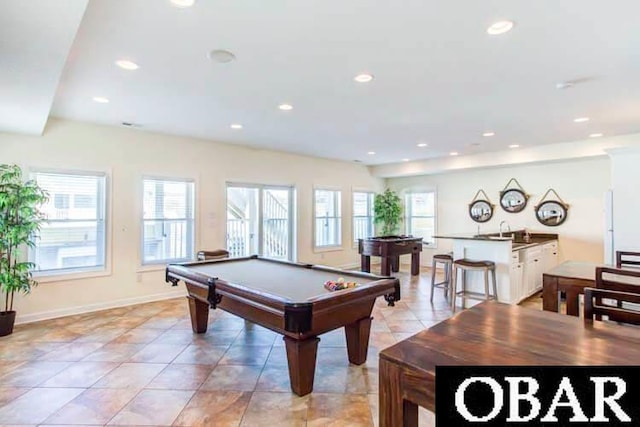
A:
<point x="52" y="314"/>
<point x="349" y="266"/>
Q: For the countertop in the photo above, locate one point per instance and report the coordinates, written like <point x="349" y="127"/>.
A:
<point x="517" y="238"/>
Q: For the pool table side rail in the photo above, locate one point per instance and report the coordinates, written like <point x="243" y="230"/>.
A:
<point x="181" y="271"/>
<point x="281" y="314"/>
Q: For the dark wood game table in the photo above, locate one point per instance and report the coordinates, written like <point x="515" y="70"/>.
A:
<point x="389" y="249"/>
<point x="570" y="278"/>
<point x="288" y="298"/>
<point x="492" y="333"/>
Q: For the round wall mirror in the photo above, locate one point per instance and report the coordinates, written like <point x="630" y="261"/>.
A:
<point x="513" y="200"/>
<point x="481" y="211"/>
<point x="551" y="213"/>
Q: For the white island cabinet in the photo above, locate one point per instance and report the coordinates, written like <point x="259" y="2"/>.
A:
<point x="519" y="264"/>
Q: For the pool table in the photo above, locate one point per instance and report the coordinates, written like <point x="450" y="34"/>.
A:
<point x="288" y="298"/>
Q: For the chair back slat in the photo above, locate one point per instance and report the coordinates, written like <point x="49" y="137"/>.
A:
<point x="627" y="259"/>
<point x="618" y="280"/>
<point x="595" y="305"/>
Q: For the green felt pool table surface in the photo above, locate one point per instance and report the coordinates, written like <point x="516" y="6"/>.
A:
<point x="295" y="283"/>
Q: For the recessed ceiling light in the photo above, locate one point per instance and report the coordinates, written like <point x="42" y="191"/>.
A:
<point x="595" y="135"/>
<point x="285" y="107"/>
<point x="127" y="65"/>
<point x="422" y="144"/>
<point x="363" y="78"/>
<point x="236" y="126"/>
<point x="514" y="146"/>
<point x="405" y="160"/>
<point x="488" y="134"/>
<point x="564" y="85"/>
<point x="581" y="119"/>
<point x="371" y="153"/>
<point x="183" y="3"/>
<point x="220" y="55"/>
<point x="131" y="125"/>
<point x="101" y="99"/>
<point x="453" y="153"/>
<point x="500" y="27"/>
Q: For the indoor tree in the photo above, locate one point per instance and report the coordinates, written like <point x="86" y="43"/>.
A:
<point x="20" y="220"/>
<point x="387" y="210"/>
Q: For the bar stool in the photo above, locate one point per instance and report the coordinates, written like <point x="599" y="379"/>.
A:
<point x="447" y="260"/>
<point x="470" y="265"/>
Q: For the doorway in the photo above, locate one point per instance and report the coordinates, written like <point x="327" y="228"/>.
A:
<point x="260" y="221"/>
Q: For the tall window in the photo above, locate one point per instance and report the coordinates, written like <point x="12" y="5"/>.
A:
<point x="420" y="216"/>
<point x="73" y="238"/>
<point x="362" y="215"/>
<point x="328" y="218"/>
<point x="168" y="221"/>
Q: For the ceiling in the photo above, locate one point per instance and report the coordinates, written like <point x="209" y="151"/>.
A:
<point x="439" y="79"/>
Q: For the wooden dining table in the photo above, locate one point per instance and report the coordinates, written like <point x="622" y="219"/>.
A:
<point x="489" y="334"/>
<point x="570" y="278"/>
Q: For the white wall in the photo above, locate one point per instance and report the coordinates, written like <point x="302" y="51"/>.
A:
<point x="625" y="176"/>
<point x="580" y="183"/>
<point x="126" y="155"/>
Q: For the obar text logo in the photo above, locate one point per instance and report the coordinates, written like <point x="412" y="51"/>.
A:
<point x="518" y="395"/>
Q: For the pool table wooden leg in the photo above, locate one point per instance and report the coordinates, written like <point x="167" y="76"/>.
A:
<point x="358" y="340"/>
<point x="199" y="315"/>
<point x="385" y="265"/>
<point x="301" y="355"/>
<point x="395" y="263"/>
<point x="365" y="263"/>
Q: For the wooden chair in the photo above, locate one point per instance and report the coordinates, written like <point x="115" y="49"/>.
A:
<point x="595" y="306"/>
<point x="215" y="254"/>
<point x="627" y="259"/>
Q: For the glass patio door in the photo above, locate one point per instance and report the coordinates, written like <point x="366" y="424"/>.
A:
<point x="260" y="221"/>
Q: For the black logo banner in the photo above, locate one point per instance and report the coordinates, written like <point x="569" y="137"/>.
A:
<point x="537" y="396"/>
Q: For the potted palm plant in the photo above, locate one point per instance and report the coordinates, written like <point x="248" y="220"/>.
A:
<point x="387" y="209"/>
<point x="20" y="220"/>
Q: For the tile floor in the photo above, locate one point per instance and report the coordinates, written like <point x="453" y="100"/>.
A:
<point x="142" y="365"/>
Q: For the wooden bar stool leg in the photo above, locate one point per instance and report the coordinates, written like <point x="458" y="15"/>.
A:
<point x="486" y="284"/>
<point x="495" y="285"/>
<point x="433" y="277"/>
<point x="454" y="285"/>
<point x="447" y="279"/>
<point x="464" y="287"/>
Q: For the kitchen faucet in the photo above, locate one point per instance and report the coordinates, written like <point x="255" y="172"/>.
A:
<point x="508" y="227"/>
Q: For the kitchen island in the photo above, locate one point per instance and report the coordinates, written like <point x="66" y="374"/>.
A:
<point x="521" y="258"/>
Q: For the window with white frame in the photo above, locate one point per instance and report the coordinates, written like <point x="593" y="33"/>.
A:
<point x="168" y="220"/>
<point x="73" y="237"/>
<point x="420" y="215"/>
<point x="362" y="215"/>
<point x="328" y="218"/>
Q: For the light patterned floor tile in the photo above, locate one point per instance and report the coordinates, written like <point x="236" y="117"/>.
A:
<point x="153" y="407"/>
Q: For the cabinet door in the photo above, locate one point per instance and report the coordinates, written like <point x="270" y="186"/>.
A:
<point x="549" y="255"/>
<point x="515" y="276"/>
<point x="533" y="270"/>
<point x="538" y="268"/>
<point x="529" y="277"/>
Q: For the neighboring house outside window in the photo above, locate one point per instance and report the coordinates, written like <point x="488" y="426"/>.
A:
<point x="362" y="215"/>
<point x="420" y="215"/>
<point x="73" y="237"/>
<point x="328" y="218"/>
<point x="168" y="220"/>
